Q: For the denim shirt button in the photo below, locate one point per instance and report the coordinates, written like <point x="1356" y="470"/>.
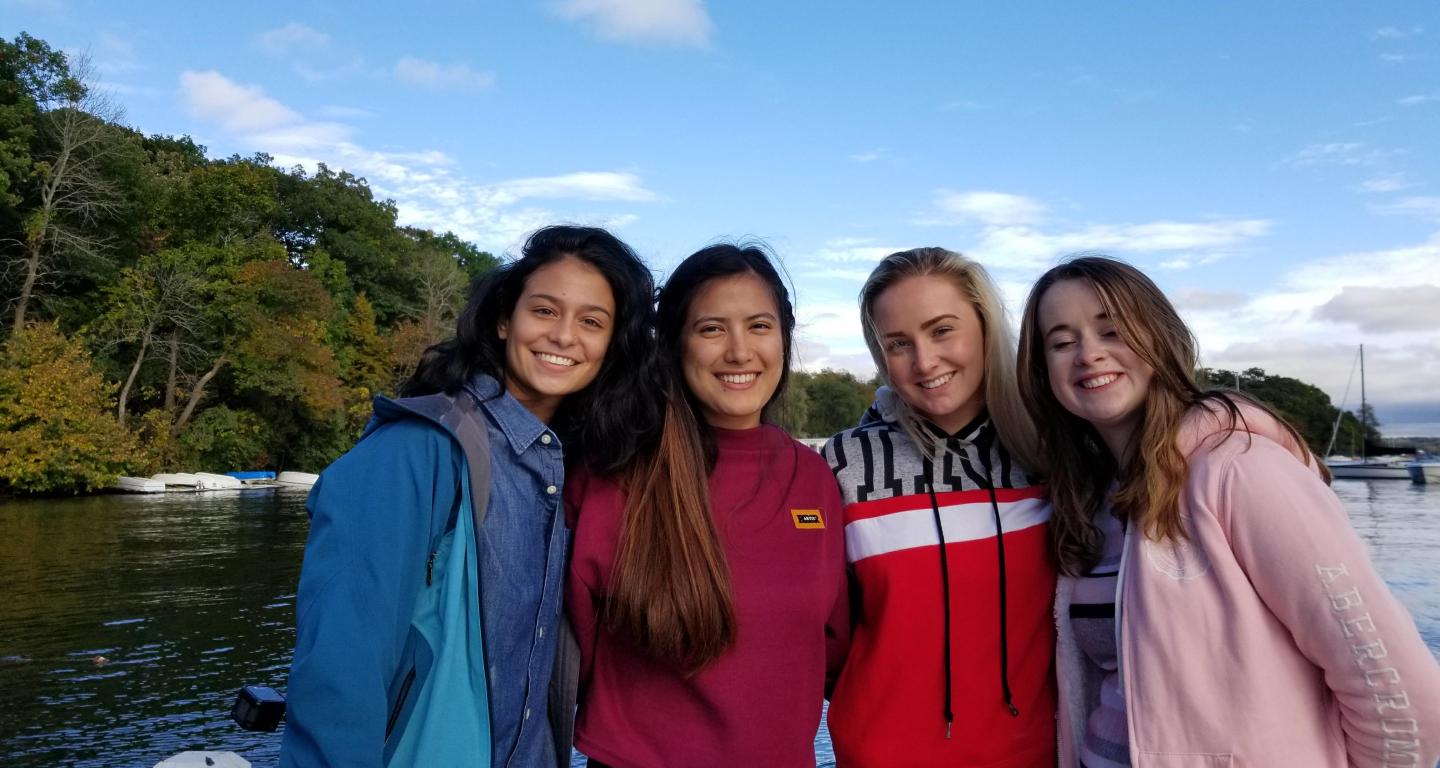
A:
<point x="545" y="438"/>
<point x="551" y="490"/>
<point x="542" y="633"/>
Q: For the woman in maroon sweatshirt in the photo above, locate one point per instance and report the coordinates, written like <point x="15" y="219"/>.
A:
<point x="707" y="585"/>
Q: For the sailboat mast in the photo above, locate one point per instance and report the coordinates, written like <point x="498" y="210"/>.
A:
<point x="1362" y="402"/>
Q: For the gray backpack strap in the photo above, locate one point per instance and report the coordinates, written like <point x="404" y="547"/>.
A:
<point x="564" y="685"/>
<point x="466" y="422"/>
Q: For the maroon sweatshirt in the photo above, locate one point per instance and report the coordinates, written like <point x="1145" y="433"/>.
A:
<point x="780" y="518"/>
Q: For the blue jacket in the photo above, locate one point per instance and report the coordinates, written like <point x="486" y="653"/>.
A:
<point x="379" y="518"/>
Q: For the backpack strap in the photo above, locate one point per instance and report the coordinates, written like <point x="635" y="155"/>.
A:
<point x="465" y="421"/>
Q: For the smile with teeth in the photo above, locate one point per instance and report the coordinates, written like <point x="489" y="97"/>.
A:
<point x="1099" y="381"/>
<point x="555" y="359"/>
<point x="937" y="381"/>
<point x="737" y="378"/>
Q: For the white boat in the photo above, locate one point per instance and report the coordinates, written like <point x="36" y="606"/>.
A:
<point x="1424" y="472"/>
<point x="1367" y="469"/>
<point x="207" y="481"/>
<point x="198" y="759"/>
<point x="178" y="480"/>
<point x="139" y="485"/>
<point x="298" y="479"/>
<point x="1363" y="468"/>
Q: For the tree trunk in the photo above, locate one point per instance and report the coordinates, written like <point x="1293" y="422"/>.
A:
<point x="32" y="270"/>
<point x="174" y="368"/>
<point x="196" y="394"/>
<point x="130" y="380"/>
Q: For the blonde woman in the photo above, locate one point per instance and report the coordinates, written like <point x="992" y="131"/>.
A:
<point x="946" y="538"/>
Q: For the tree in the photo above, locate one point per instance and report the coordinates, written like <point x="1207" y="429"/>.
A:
<point x="160" y="295"/>
<point x="33" y="78"/>
<point x="836" y="401"/>
<point x="56" y="432"/>
<point x="68" y="192"/>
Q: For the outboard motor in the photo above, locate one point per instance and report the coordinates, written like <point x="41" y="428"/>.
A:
<point x="258" y="708"/>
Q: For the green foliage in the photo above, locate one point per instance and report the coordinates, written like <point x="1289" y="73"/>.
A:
<point x="32" y="77"/>
<point x="244" y="313"/>
<point x="224" y="440"/>
<point x="826" y="402"/>
<point x="1305" y="406"/>
<point x="57" y="433"/>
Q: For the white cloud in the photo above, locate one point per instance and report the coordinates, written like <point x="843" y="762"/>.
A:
<point x="1392" y="182"/>
<point x="592" y="185"/>
<point x="670" y="22"/>
<point x="1309" y="326"/>
<point x="1397" y="33"/>
<point x="1375" y="309"/>
<point x="1028" y="248"/>
<point x="1418" y="99"/>
<point x="1400" y="58"/>
<point x="1200" y="299"/>
<point x="237" y="108"/>
<point x="342" y="112"/>
<point x="861" y="251"/>
<point x="431" y="74"/>
<point x="283" y="42"/>
<point x="1185" y="261"/>
<point x="310" y="53"/>
<point x="990" y="208"/>
<point x="870" y="156"/>
<point x="1423" y="207"/>
<point x="1345" y="153"/>
<point x="423" y="183"/>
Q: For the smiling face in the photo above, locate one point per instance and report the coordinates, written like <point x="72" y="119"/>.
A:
<point x="934" y="349"/>
<point x="1093" y="372"/>
<point x="733" y="350"/>
<point x="555" y="338"/>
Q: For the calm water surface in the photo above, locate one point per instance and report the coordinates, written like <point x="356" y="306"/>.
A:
<point x="187" y="597"/>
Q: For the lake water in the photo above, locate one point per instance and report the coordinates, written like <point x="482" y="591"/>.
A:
<point x="187" y="597"/>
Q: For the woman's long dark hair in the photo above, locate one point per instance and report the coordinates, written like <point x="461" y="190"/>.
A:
<point x="670" y="593"/>
<point x="608" y="422"/>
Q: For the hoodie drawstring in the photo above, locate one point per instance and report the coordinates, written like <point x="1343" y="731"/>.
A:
<point x="945" y="592"/>
<point x="1000" y="553"/>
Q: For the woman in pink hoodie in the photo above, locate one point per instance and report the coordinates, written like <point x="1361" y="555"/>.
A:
<point x="1215" y="608"/>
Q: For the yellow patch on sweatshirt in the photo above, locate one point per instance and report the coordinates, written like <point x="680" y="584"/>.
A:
<point x="807" y="518"/>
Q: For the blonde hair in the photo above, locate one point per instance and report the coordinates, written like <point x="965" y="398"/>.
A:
<point x="1002" y="396"/>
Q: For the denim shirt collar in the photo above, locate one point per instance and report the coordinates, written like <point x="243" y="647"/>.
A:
<point x="520" y="426"/>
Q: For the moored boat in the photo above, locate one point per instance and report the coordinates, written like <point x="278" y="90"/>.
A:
<point x="139" y="485"/>
<point x="1425" y="472"/>
<point x="298" y="479"/>
<point x="253" y="476"/>
<point x="1367" y="469"/>
<point x="207" y="481"/>
<point x="179" y="481"/>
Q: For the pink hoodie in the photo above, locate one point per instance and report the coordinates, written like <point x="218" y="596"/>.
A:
<point x="1267" y="639"/>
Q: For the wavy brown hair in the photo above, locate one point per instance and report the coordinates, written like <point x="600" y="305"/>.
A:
<point x="1082" y="469"/>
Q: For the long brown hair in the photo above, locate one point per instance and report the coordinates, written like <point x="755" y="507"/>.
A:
<point x="670" y="592"/>
<point x="1002" y="398"/>
<point x="1082" y="469"/>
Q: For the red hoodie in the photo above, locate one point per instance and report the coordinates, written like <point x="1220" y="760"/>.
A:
<point x="890" y="705"/>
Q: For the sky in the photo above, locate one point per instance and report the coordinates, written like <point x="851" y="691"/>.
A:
<point x="1275" y="167"/>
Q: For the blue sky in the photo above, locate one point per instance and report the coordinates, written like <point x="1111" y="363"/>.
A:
<point x="1275" y="167"/>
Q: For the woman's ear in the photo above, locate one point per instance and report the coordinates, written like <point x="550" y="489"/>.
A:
<point x="502" y="329"/>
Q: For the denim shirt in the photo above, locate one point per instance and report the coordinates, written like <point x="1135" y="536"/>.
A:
<point x="523" y="544"/>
